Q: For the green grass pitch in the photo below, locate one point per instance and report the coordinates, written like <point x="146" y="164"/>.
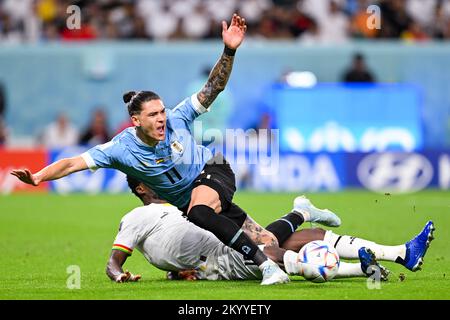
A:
<point x="42" y="235"/>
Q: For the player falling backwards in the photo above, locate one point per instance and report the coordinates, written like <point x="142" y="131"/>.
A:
<point x="161" y="151"/>
<point x="171" y="243"/>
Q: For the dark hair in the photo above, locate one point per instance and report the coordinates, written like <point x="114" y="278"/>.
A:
<point x="134" y="183"/>
<point x="134" y="100"/>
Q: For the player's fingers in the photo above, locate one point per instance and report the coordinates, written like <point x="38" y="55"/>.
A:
<point x="123" y="277"/>
<point x="137" y="277"/>
<point x="242" y="23"/>
<point x="242" y="27"/>
<point x="14" y="173"/>
<point x="29" y="175"/>
<point x="134" y="277"/>
<point x="233" y="20"/>
<point x="238" y="20"/>
<point x="224" y="26"/>
<point x="21" y="176"/>
<point x="17" y="173"/>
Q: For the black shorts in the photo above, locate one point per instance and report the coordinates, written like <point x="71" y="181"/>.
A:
<point x="218" y="175"/>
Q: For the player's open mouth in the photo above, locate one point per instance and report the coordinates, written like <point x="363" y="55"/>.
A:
<point x="160" y="130"/>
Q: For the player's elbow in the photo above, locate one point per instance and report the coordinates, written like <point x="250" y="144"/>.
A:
<point x="74" y="164"/>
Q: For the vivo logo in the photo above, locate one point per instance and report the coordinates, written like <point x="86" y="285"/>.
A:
<point x="395" y="172"/>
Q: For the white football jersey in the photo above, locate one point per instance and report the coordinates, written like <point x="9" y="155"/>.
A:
<point x="165" y="237"/>
<point x="170" y="242"/>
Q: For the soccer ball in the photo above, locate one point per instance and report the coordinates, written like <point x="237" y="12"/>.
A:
<point x="320" y="261"/>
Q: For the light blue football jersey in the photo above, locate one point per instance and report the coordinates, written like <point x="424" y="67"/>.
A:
<point x="170" y="167"/>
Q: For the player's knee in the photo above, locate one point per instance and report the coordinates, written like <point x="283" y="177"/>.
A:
<point x="204" y="217"/>
<point x="198" y="214"/>
<point x="216" y="205"/>
<point x="203" y="195"/>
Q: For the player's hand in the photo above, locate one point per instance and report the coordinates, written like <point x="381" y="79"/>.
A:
<point x="234" y="35"/>
<point x="26" y="176"/>
<point x="190" y="275"/>
<point x="128" y="277"/>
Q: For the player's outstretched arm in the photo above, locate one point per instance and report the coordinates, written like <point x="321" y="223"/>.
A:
<point x="54" y="171"/>
<point x="114" y="268"/>
<point x="232" y="38"/>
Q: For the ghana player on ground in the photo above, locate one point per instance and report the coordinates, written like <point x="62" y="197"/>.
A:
<point x="171" y="243"/>
<point x="161" y="151"/>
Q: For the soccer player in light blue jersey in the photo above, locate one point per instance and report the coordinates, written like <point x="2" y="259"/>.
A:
<point x="161" y="152"/>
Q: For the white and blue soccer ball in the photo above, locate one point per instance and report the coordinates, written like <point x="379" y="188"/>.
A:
<point x="320" y="261"/>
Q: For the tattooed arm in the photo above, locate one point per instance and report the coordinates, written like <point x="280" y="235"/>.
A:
<point x="258" y="234"/>
<point x="218" y="78"/>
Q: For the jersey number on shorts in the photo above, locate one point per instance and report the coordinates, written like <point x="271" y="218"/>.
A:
<point x="171" y="173"/>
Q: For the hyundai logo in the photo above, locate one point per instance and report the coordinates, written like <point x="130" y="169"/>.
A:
<point x="395" y="172"/>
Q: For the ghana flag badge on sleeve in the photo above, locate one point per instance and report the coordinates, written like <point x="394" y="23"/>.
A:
<point x="122" y="248"/>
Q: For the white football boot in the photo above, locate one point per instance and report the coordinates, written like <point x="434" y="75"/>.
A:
<point x="322" y="216"/>
<point x="272" y="274"/>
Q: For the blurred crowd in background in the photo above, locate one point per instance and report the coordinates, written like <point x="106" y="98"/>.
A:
<point x="309" y="21"/>
<point x="60" y="132"/>
<point x="312" y="22"/>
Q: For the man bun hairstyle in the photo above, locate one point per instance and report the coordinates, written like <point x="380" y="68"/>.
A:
<point x="134" y="100"/>
<point x="128" y="96"/>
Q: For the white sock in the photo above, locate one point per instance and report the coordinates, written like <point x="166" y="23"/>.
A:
<point x="305" y="214"/>
<point x="291" y="263"/>
<point x="347" y="247"/>
<point x="349" y="270"/>
<point x="346" y="270"/>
